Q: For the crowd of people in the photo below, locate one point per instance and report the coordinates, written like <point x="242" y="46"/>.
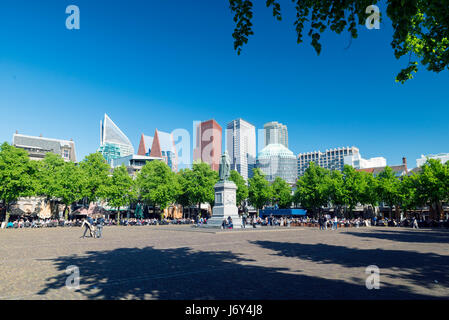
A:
<point x="78" y="222"/>
<point x="324" y="222"/>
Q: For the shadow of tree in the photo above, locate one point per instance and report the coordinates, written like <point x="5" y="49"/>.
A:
<point x="422" y="268"/>
<point x="181" y="273"/>
<point x="430" y="236"/>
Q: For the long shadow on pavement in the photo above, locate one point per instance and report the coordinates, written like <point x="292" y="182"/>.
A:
<point x="181" y="273"/>
<point x="423" y="268"/>
<point x="427" y="236"/>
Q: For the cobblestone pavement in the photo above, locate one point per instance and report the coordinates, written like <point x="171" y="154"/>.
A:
<point x="181" y="262"/>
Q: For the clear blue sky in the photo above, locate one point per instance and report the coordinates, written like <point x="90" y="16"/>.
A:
<point x="166" y="63"/>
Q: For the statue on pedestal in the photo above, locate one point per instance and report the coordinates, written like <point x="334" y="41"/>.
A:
<point x="225" y="194"/>
<point x="225" y="167"/>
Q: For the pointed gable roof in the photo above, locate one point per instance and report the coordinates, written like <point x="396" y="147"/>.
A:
<point x="145" y="145"/>
<point x="156" y="147"/>
<point x="142" y="148"/>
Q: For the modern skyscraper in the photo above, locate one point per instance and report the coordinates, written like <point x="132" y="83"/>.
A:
<point x="276" y="132"/>
<point x="208" y="143"/>
<point x="162" y="145"/>
<point x="275" y="160"/>
<point x="38" y="147"/>
<point x="241" y="146"/>
<point x="114" y="143"/>
<point x="332" y="159"/>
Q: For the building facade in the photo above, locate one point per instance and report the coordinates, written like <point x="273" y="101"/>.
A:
<point x="208" y="143"/>
<point x="241" y="146"/>
<point x="38" y="147"/>
<point x="332" y="159"/>
<point x="399" y="170"/>
<point x="443" y="157"/>
<point x="275" y="132"/>
<point x="161" y="145"/>
<point x="275" y="160"/>
<point x="114" y="143"/>
<point x="133" y="162"/>
<point x="356" y="161"/>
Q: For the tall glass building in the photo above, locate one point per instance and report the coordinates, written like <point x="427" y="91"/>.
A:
<point x="114" y="143"/>
<point x="241" y="146"/>
<point x="276" y="132"/>
<point x="275" y="160"/>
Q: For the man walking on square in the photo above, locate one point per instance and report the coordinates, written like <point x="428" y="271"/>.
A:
<point x="88" y="227"/>
<point x="335" y="225"/>
<point x="100" y="223"/>
<point x="415" y="223"/>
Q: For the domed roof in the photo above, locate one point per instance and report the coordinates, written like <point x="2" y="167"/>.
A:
<point x="275" y="150"/>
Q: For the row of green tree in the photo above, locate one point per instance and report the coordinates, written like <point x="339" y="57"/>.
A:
<point x="156" y="185"/>
<point x="344" y="190"/>
<point x="92" y="179"/>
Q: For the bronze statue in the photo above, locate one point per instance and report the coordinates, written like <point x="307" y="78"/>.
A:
<point x="225" y="167"/>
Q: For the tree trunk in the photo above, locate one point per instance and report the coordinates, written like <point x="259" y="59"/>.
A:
<point x="7" y="214"/>
<point x="118" y="216"/>
<point x="440" y="211"/>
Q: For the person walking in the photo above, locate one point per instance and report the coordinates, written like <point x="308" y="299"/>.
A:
<point x="335" y="225"/>
<point x="320" y="222"/>
<point x="100" y="224"/>
<point x="243" y="221"/>
<point x="415" y="223"/>
<point x="87" y="226"/>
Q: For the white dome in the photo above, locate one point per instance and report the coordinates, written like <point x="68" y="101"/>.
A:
<point x="275" y="150"/>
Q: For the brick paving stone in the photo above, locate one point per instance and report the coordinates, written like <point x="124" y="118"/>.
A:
<point x="182" y="262"/>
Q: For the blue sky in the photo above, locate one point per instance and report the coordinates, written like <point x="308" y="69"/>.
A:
<point x="163" y="64"/>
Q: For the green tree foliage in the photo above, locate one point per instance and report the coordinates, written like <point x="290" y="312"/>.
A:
<point x="17" y="175"/>
<point x="96" y="171"/>
<point x="388" y="188"/>
<point x="70" y="181"/>
<point x="184" y="196"/>
<point x="281" y="193"/>
<point x="336" y="190"/>
<point x="259" y="191"/>
<point x="421" y="27"/>
<point x="201" y="180"/>
<point x="48" y="182"/>
<point x="157" y="184"/>
<point x="119" y="189"/>
<point x="370" y="195"/>
<point x="408" y="197"/>
<point x="312" y="190"/>
<point x="432" y="186"/>
<point x="354" y="187"/>
<point x="242" y="188"/>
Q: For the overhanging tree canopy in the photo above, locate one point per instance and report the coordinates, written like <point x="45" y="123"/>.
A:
<point x="421" y="27"/>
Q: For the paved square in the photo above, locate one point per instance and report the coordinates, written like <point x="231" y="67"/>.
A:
<point x="181" y="262"/>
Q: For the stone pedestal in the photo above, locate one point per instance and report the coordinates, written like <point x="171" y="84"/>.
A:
<point x="225" y="199"/>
